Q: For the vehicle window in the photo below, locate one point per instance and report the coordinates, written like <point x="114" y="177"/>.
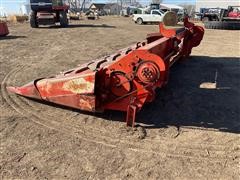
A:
<point x="57" y="3"/>
<point x="175" y="10"/>
<point x="156" y="12"/>
<point x="155" y="7"/>
<point x="162" y="11"/>
<point x="147" y="12"/>
<point x="235" y="10"/>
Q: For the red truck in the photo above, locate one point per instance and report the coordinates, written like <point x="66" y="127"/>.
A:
<point x="48" y="12"/>
<point x="217" y="18"/>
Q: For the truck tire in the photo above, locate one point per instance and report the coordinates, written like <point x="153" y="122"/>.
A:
<point x="33" y="19"/>
<point x="139" y="21"/>
<point x="63" y="19"/>
<point x="227" y="25"/>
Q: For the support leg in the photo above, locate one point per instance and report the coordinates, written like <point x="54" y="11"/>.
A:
<point x="131" y="115"/>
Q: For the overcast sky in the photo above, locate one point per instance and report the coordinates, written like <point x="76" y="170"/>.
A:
<point x="13" y="6"/>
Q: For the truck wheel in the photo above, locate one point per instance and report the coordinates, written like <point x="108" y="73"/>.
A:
<point x="139" y="21"/>
<point x="33" y="19"/>
<point x="63" y="19"/>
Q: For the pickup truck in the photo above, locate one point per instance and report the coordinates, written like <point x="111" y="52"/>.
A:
<point x="154" y="16"/>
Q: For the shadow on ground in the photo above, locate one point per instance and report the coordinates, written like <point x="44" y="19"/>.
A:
<point x="11" y="37"/>
<point x="183" y="103"/>
<point x="78" y="26"/>
<point x="91" y="25"/>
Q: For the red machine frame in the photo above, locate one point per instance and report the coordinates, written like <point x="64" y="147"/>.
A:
<point x="3" y="29"/>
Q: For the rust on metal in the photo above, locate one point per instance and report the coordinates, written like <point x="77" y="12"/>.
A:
<point x="79" y="86"/>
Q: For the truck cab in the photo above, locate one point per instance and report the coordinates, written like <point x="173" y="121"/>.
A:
<point x="43" y="5"/>
<point x="153" y="16"/>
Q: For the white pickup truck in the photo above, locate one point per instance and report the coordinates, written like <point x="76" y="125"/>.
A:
<point x="154" y="16"/>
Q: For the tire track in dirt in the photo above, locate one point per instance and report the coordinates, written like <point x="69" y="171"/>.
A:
<point x="97" y="136"/>
<point x="18" y="106"/>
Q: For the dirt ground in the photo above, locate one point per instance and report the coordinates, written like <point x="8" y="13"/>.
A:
<point x="188" y="132"/>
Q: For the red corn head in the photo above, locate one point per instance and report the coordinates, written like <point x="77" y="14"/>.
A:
<point x="124" y="81"/>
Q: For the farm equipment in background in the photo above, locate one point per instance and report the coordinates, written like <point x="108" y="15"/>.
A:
<point x="92" y="15"/>
<point x="234" y="12"/>
<point x="3" y="29"/>
<point x="218" y="18"/>
<point x="123" y="81"/>
<point x="48" y="12"/>
<point x="74" y="16"/>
